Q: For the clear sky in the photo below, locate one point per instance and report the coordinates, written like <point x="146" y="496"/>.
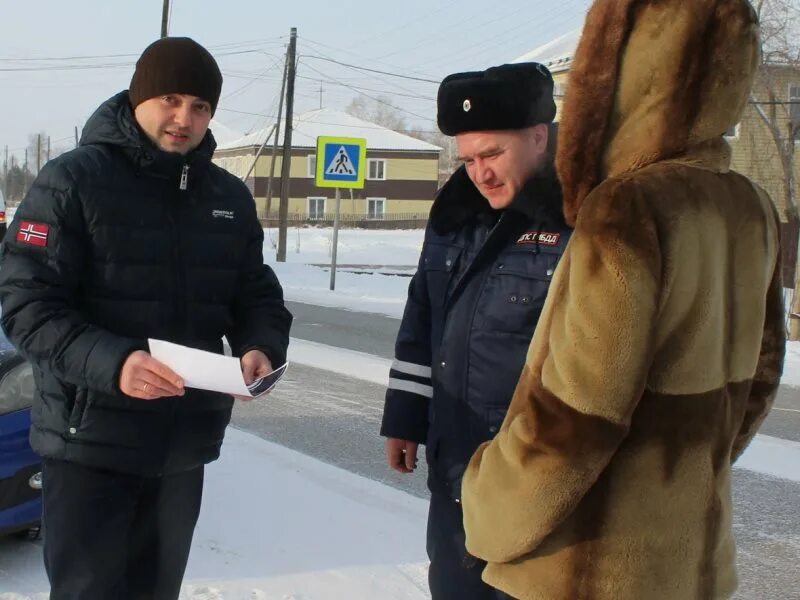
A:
<point x="59" y="59"/>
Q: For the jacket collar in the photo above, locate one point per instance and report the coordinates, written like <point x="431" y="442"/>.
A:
<point x="114" y="123"/>
<point x="459" y="202"/>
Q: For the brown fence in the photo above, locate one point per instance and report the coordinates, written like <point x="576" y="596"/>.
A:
<point x="350" y="221"/>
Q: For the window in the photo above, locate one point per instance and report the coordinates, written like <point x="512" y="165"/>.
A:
<point x="312" y="165"/>
<point x="376" y="168"/>
<point x="376" y="208"/>
<point x="316" y="209"/>
<point x="733" y="132"/>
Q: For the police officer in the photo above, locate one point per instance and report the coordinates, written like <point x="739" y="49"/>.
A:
<point x="495" y="236"/>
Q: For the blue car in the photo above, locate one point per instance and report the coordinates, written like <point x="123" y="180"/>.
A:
<point x="20" y="467"/>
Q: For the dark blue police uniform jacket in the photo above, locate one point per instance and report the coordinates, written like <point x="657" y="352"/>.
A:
<point x="472" y="307"/>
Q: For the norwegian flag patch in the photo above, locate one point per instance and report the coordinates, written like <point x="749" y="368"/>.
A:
<point x="539" y="237"/>
<point x="34" y="234"/>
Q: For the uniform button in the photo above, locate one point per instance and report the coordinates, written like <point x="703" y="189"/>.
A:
<point x="73" y="431"/>
<point x="458" y="500"/>
<point x="550" y="272"/>
<point x="448" y="262"/>
<point x="493" y="429"/>
<point x="500" y="267"/>
<point x="525" y="300"/>
<point x="443" y="364"/>
<point x="513" y="298"/>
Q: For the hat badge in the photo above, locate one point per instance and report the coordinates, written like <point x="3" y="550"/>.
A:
<point x="467" y="105"/>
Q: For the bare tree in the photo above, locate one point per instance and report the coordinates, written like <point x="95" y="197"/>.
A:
<point x="37" y="142"/>
<point x="378" y="110"/>
<point x="381" y="111"/>
<point x="778" y="106"/>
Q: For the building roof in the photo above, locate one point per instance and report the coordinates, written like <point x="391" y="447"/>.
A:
<point x="557" y="54"/>
<point x="222" y="133"/>
<point x="327" y="122"/>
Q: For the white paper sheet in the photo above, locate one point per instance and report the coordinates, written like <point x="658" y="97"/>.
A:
<point x="206" y="370"/>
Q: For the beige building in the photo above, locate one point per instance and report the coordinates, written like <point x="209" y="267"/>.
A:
<point x="755" y="152"/>
<point x="401" y="176"/>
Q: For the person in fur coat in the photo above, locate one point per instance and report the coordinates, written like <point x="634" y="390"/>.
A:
<point x="661" y="344"/>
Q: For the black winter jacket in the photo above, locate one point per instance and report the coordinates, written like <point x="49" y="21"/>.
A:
<point x="106" y="251"/>
<point x="472" y="307"/>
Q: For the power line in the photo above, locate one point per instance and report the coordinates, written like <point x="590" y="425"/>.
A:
<point x="544" y="18"/>
<point x="241" y="88"/>
<point x="418" y="97"/>
<point x="378" y="100"/>
<point x="394" y="82"/>
<point x="226" y="46"/>
<point x="273" y="116"/>
<point x="371" y="70"/>
<point x="404" y="26"/>
<point x="114" y="65"/>
<point x="359" y="56"/>
<point x="478" y="23"/>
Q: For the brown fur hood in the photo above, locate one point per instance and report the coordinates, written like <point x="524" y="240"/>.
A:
<point x="654" y="80"/>
<point x="660" y="346"/>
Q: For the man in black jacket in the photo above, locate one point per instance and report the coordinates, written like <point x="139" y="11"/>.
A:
<point x="135" y="235"/>
<point x="495" y="236"/>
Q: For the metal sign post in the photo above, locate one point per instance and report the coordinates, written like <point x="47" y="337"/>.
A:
<point x="335" y="237"/>
<point x="341" y="163"/>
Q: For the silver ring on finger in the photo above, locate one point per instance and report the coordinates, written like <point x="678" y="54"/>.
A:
<point x="144" y="389"/>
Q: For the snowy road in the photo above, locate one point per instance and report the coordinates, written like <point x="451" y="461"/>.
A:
<point x="278" y="525"/>
<point x="335" y="418"/>
<point x="375" y="334"/>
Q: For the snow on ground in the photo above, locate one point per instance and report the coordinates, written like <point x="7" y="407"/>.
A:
<point x="378" y="291"/>
<point x="281" y="523"/>
<point x="277" y="525"/>
<point x="772" y="456"/>
<point x="356" y="246"/>
<point x="791" y="367"/>
<point x="381" y="294"/>
<point x="351" y="363"/>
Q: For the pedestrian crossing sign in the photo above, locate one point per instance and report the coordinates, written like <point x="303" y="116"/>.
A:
<point x="341" y="162"/>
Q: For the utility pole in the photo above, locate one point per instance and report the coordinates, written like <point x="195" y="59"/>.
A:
<point x="320" y="95"/>
<point x="48" y="149"/>
<point x="283" y="210"/>
<point x="164" y="18"/>
<point x="38" y="152"/>
<point x="277" y="132"/>
<point x="76" y="136"/>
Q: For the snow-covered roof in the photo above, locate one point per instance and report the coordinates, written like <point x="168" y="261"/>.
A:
<point x="327" y="122"/>
<point x="557" y="54"/>
<point x="222" y="133"/>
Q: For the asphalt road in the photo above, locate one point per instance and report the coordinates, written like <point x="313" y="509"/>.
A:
<point x="375" y="334"/>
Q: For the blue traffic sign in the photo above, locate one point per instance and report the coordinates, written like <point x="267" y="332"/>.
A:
<point x="343" y="162"/>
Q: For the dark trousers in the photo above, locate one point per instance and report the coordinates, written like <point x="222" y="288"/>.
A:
<point x="453" y="574"/>
<point x="115" y="536"/>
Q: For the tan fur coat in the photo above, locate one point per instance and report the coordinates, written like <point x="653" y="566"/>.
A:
<point x="661" y="344"/>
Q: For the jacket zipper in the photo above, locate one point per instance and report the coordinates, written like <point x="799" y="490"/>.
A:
<point x="184" y="185"/>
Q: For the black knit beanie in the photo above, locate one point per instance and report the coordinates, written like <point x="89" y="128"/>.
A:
<point x="176" y="65"/>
